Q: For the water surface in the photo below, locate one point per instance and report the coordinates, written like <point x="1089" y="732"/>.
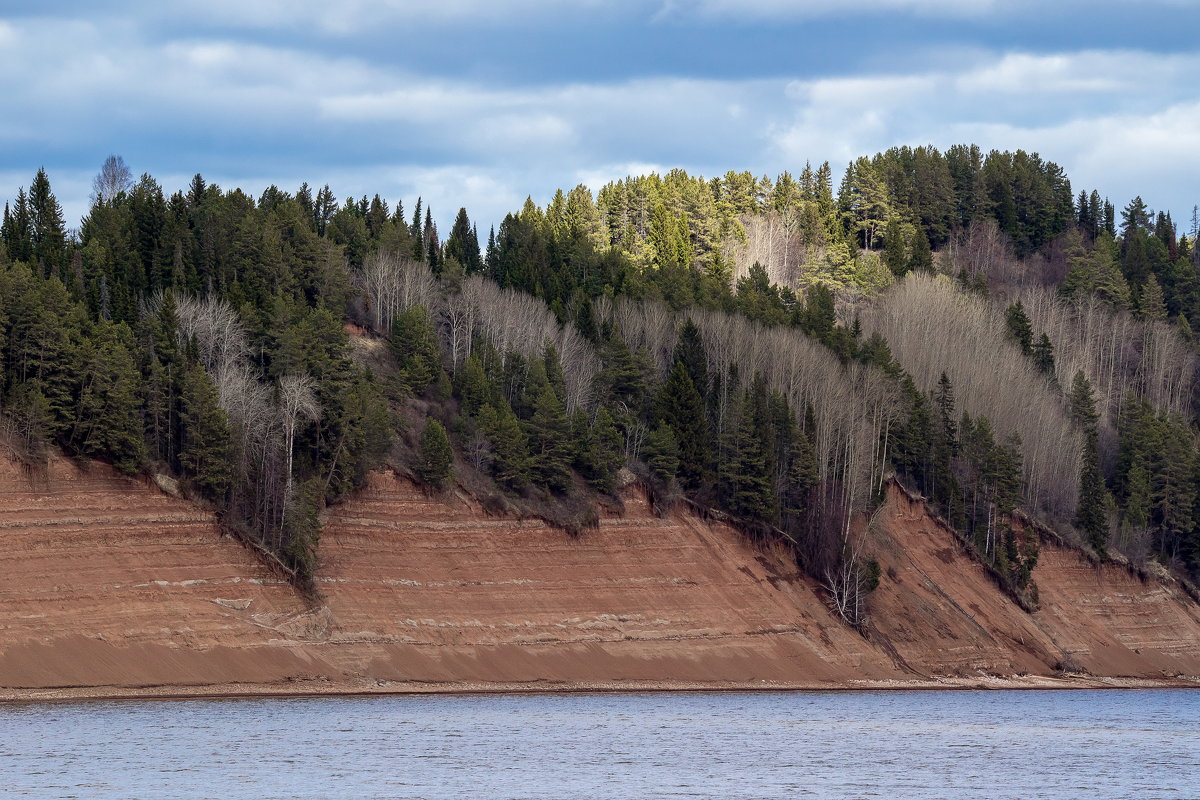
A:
<point x="993" y="744"/>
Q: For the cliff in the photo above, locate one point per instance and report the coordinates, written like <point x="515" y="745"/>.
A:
<point x="112" y="587"/>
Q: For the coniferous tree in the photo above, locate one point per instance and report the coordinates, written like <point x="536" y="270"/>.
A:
<point x="509" y="447"/>
<point x="415" y="346"/>
<point x="893" y="249"/>
<point x="1091" y="512"/>
<point x="549" y="436"/>
<point x="1043" y="355"/>
<point x="207" y="449"/>
<point x="436" y="456"/>
<point x="661" y="453"/>
<point x="682" y="409"/>
<point x="920" y="258"/>
<point x="1018" y="327"/>
<point x="108" y="424"/>
<point x="601" y="452"/>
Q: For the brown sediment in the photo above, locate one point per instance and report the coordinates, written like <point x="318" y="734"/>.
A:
<point x="112" y="588"/>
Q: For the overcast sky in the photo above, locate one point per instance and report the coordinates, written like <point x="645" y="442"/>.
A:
<point x="479" y="103"/>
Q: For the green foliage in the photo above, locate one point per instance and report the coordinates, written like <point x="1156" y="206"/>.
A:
<point x="509" y="448"/>
<point x="207" y="448"/>
<point x="681" y="408"/>
<point x="435" y="456"/>
<point x="1091" y="511"/>
<point x="661" y="453"/>
<point x="549" y="436"/>
<point x="600" y="450"/>
<point x="415" y="346"/>
<point x="1018" y="327"/>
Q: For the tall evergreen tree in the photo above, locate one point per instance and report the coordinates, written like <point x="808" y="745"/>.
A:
<point x="682" y="409"/>
<point x="207" y="449"/>
<point x="1091" y="512"/>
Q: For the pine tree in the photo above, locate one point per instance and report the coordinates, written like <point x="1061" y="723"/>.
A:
<point x="109" y="424"/>
<point x="893" y="249"/>
<point x="1151" y="304"/>
<point x="49" y="238"/>
<point x="436" y="457"/>
<point x="602" y="452"/>
<point x="473" y="387"/>
<point x="744" y="477"/>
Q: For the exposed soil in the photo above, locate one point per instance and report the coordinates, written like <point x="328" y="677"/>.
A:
<point x="112" y="588"/>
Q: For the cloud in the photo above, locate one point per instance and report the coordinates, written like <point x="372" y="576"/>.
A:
<point x="809" y="9"/>
<point x="827" y="8"/>
<point x="253" y="114"/>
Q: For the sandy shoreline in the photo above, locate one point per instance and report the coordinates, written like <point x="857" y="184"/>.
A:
<point x="322" y="688"/>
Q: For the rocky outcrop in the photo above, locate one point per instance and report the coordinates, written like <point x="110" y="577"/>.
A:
<point x="111" y="586"/>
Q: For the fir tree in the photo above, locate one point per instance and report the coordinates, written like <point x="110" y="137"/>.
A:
<point x="415" y="346"/>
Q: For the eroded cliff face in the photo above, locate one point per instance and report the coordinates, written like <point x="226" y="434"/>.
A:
<point x="945" y="616"/>
<point x="112" y="587"/>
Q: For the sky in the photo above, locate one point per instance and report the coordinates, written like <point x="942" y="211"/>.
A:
<point x="480" y="103"/>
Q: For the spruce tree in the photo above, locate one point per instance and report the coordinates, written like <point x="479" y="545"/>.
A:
<point x="893" y="249"/>
<point x="207" y="449"/>
<point x="1043" y="355"/>
<point x="509" y="448"/>
<point x="1091" y="512"/>
<point x="109" y="424"/>
<point x="415" y="346"/>
<point x="602" y="452"/>
<point x="436" y="456"/>
<point x="549" y="436"/>
<point x="920" y="258"/>
<point x="661" y="453"/>
<point x="681" y="407"/>
<point x="1018" y="326"/>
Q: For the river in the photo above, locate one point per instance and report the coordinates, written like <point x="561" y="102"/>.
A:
<point x="895" y="744"/>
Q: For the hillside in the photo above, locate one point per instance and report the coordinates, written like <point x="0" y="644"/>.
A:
<point x="113" y="588"/>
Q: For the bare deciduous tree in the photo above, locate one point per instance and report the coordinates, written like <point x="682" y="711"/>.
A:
<point x="933" y="327"/>
<point x="114" y="177"/>
<point x="296" y="400"/>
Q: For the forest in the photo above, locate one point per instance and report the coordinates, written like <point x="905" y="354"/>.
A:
<point x="771" y="352"/>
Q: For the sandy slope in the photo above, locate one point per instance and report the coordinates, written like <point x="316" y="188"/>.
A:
<point x="112" y="588"/>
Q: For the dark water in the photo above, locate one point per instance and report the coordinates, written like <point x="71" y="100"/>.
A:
<point x="1109" y="744"/>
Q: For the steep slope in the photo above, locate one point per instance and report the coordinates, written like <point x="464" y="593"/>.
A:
<point x="108" y="580"/>
<point x="944" y="615"/>
<point x="112" y="587"/>
<point x="444" y="592"/>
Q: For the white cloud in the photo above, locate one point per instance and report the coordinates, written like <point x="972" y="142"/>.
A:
<point x="808" y="9"/>
<point x="1123" y="121"/>
<point x="823" y="8"/>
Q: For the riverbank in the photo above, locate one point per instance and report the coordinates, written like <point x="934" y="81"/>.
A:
<point x="114" y="589"/>
<point x="320" y="688"/>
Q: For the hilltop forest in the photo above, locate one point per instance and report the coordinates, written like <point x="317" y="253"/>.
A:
<point x="771" y="351"/>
